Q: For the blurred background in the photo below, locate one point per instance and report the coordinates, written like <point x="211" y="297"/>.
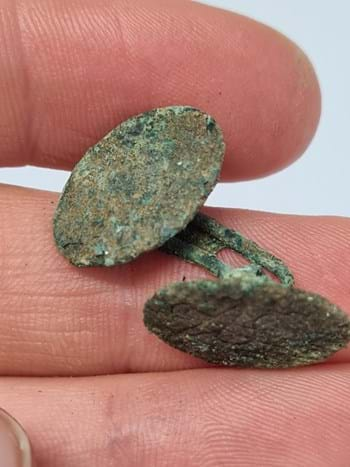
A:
<point x="319" y="182"/>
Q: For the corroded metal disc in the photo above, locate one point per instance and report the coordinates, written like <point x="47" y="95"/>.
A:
<point x="248" y="321"/>
<point x="138" y="186"/>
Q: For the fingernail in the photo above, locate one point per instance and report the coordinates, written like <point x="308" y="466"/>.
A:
<point x="15" y="450"/>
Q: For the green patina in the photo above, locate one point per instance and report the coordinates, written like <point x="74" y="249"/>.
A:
<point x="138" y="186"/>
<point x="204" y="238"/>
<point x="247" y="321"/>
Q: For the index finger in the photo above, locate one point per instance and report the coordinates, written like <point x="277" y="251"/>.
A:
<point x="72" y="70"/>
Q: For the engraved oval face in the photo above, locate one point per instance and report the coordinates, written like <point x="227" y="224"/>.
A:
<point x="247" y="322"/>
<point x="138" y="186"/>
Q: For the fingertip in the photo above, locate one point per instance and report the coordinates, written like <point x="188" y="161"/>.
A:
<point x="276" y="111"/>
<point x="15" y="448"/>
<point x="110" y="62"/>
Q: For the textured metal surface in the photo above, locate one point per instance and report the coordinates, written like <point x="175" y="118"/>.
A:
<point x="138" y="186"/>
<point x="247" y="321"/>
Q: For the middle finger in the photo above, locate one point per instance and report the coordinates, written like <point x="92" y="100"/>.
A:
<point x="56" y="319"/>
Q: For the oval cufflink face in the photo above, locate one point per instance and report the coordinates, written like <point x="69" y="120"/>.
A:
<point x="247" y="322"/>
<point x="138" y="186"/>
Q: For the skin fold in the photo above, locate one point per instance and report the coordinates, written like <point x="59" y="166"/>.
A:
<point x="72" y="70"/>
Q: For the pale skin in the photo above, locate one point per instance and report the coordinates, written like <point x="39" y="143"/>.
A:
<point x="70" y="71"/>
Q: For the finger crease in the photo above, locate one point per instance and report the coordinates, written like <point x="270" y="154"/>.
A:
<point x="28" y="149"/>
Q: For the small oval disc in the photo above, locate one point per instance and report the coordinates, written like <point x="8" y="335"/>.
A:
<point x="138" y="186"/>
<point x="248" y="322"/>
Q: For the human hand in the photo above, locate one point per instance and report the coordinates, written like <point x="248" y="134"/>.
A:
<point x="72" y="70"/>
